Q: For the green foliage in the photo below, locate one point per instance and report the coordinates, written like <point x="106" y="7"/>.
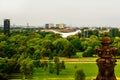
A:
<point x="79" y="75"/>
<point x="3" y="37"/>
<point x="59" y="44"/>
<point x="60" y="53"/>
<point x="76" y="44"/>
<point x="64" y="47"/>
<point x="7" y="66"/>
<point x="73" y="37"/>
<point x="4" y="65"/>
<point x="116" y="44"/>
<point x="26" y="66"/>
<point x="114" y="32"/>
<point x="56" y="59"/>
<point x="37" y="55"/>
<point x="90" y="46"/>
<point x="33" y="42"/>
<point x="51" y="67"/>
<point x="57" y="65"/>
<point x="37" y="63"/>
<point x="57" y="68"/>
<point x="25" y="45"/>
<point x="79" y="54"/>
<point x="69" y="50"/>
<point x="84" y="44"/>
<point x="51" y="56"/>
<point x="62" y="65"/>
<point x="90" y="70"/>
<point x="88" y="52"/>
<point x="47" y="44"/>
<point x="93" y="41"/>
<point x="44" y="65"/>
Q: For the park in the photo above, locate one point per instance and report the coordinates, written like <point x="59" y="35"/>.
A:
<point x="26" y="54"/>
<point x="88" y="65"/>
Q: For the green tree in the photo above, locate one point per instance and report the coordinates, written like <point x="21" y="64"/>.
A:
<point x="26" y="67"/>
<point x="84" y="44"/>
<point x="77" y="44"/>
<point x="3" y="37"/>
<point x="59" y="44"/>
<point x="93" y="44"/>
<point x="47" y="48"/>
<point x="114" y="32"/>
<point x="63" y="46"/>
<point x="52" y="36"/>
<point x="88" y="52"/>
<point x="68" y="50"/>
<point x="116" y="44"/>
<point x="47" y="44"/>
<point x="6" y="49"/>
<point x="4" y="65"/>
<point x="37" y="55"/>
<point x="72" y="37"/>
<point x="34" y="43"/>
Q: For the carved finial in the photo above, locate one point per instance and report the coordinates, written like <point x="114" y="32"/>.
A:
<point x="106" y="40"/>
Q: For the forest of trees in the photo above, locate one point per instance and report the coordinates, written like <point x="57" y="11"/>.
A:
<point x="22" y="50"/>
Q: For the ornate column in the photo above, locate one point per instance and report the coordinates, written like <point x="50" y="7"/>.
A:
<point x="106" y="62"/>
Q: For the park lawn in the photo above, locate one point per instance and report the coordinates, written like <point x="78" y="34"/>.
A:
<point x="90" y="70"/>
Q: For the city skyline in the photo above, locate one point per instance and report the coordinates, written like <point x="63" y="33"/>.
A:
<point x="71" y="12"/>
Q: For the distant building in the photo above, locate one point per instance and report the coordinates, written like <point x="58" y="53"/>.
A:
<point x="61" y="26"/>
<point x="49" y="25"/>
<point x="7" y="27"/>
<point x="46" y="26"/>
<point x="57" y="25"/>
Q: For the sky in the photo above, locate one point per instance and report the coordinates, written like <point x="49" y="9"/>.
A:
<point x="70" y="12"/>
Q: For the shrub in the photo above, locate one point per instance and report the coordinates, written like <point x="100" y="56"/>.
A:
<point x="79" y="75"/>
<point x="57" y="68"/>
<point x="62" y="65"/>
<point x="79" y="54"/>
<point x="56" y="59"/>
<point x="57" y="65"/>
<point x="51" y="68"/>
<point x="44" y="65"/>
<point x="86" y="54"/>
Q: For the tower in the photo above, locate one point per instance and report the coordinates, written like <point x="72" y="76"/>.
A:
<point x="7" y="27"/>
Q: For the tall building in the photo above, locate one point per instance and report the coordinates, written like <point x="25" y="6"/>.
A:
<point x="49" y="25"/>
<point x="7" y="27"/>
<point x="46" y="26"/>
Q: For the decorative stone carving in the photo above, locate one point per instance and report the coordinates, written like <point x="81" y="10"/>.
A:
<point x="107" y="61"/>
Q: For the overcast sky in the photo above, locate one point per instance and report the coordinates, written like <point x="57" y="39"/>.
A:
<point x="70" y="12"/>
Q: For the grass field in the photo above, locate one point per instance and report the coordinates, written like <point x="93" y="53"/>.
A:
<point x="88" y="65"/>
<point x="90" y="70"/>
